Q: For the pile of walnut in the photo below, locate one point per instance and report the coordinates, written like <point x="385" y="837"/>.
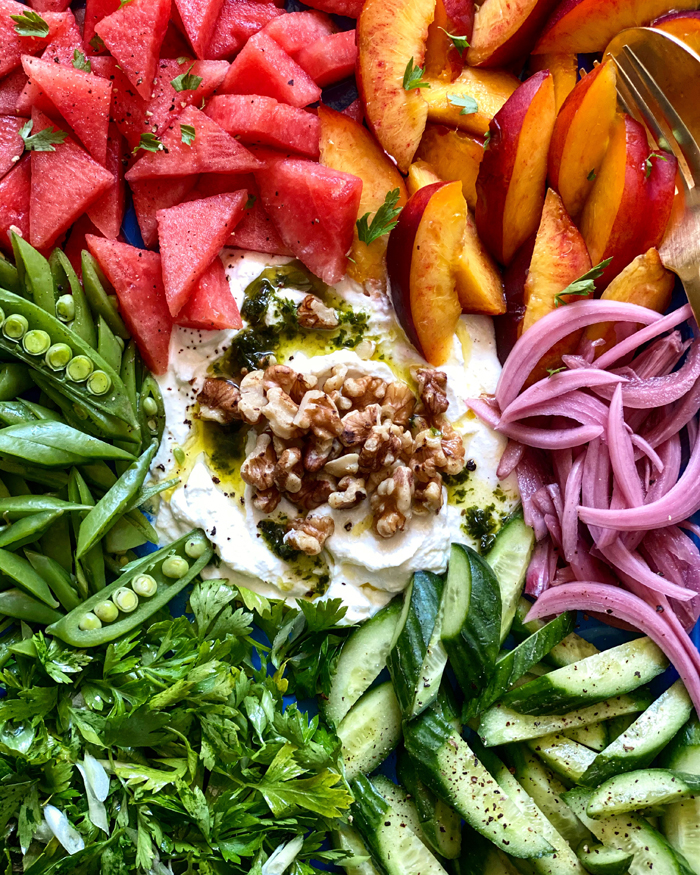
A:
<point x="340" y="442"/>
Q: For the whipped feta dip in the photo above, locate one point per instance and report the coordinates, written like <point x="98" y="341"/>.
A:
<point x="357" y="566"/>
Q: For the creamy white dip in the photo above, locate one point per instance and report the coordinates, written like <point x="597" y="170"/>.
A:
<point x="364" y="570"/>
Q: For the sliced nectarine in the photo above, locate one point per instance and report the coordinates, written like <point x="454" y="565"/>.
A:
<point x="479" y="282"/>
<point x="489" y="88"/>
<point x="685" y="26"/>
<point x="454" y="155"/>
<point x="348" y="146"/>
<point x="660" y="171"/>
<point x="589" y="25"/>
<point x="391" y="34"/>
<point x="505" y="31"/>
<point x="580" y="137"/>
<point x="420" y="174"/>
<point x="510" y="186"/>
<point x="614" y="217"/>
<point x="443" y="60"/>
<point x="563" y="67"/>
<point x="421" y="257"/>
<point x="645" y="281"/>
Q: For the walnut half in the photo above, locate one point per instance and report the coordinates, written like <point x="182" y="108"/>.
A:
<point x="392" y="502"/>
<point x="310" y="534"/>
<point x="313" y="313"/>
<point x="218" y="401"/>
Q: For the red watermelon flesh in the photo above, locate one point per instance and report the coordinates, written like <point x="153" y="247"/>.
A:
<point x="330" y="59"/>
<point x="61" y="50"/>
<point x="213" y="151"/>
<point x="175" y="45"/>
<point x="191" y="235"/>
<point x="108" y="212"/>
<point x="137" y="280"/>
<point x="298" y="29"/>
<point x="238" y="21"/>
<point x="212" y="306"/>
<point x="95" y="11"/>
<point x="75" y="243"/>
<point x="12" y="45"/>
<point x="134" y="34"/>
<point x="65" y="183"/>
<point x="262" y="67"/>
<point x="49" y="5"/>
<point x="15" y="189"/>
<point x="210" y="184"/>
<point x="11" y="144"/>
<point x="151" y="195"/>
<point x="348" y="8"/>
<point x="263" y="120"/>
<point x="11" y="86"/>
<point x="199" y="18"/>
<point x="314" y="209"/>
<point x="83" y="100"/>
<point x="256" y="231"/>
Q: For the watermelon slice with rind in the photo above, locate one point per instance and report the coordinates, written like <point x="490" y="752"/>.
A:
<point x="212" y="306"/>
<point x="191" y="235"/>
<point x="238" y="21"/>
<point x="15" y="188"/>
<point x="152" y="195"/>
<point x="314" y="209"/>
<point x="11" y="144"/>
<point x="65" y="183"/>
<point x="13" y="46"/>
<point x="199" y="18"/>
<point x="133" y="34"/>
<point x="137" y="280"/>
<point x="107" y="213"/>
<point x="81" y="98"/>
<point x="213" y="151"/>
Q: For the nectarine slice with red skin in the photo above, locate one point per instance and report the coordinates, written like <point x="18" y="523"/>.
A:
<point x="685" y="26"/>
<point x="442" y="58"/>
<point x="564" y="68"/>
<point x="420" y="174"/>
<point x="348" y="146"/>
<point x="580" y="137"/>
<point x="454" y="155"/>
<point x="505" y="31"/>
<point x="389" y="34"/>
<point x="510" y="186"/>
<point x="589" y="25"/>
<point x="421" y="257"/>
<point x="479" y="282"/>
<point x="489" y="88"/>
<point x="661" y="191"/>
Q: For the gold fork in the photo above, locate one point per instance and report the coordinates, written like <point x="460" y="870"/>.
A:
<point x="658" y="83"/>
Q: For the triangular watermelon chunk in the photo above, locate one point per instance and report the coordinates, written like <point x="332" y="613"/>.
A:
<point x="212" y="306"/>
<point x="315" y="209"/>
<point x="61" y="49"/>
<point x="137" y="280"/>
<point x="133" y="34"/>
<point x="83" y="100"/>
<point x="15" y="189"/>
<point x="64" y="184"/>
<point x="11" y="86"/>
<point x="298" y="29"/>
<point x="238" y="21"/>
<point x="213" y="151"/>
<point x="256" y="231"/>
<point x="11" y="144"/>
<point x="210" y="184"/>
<point x="330" y="58"/>
<point x="108" y="212"/>
<point x="49" y="5"/>
<point x="95" y="11"/>
<point x="262" y="67"/>
<point x="199" y="18"/>
<point x="13" y="46"/>
<point x="151" y="195"/>
<point x="75" y="242"/>
<point x="191" y="235"/>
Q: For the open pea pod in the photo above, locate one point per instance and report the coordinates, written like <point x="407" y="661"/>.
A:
<point x="42" y="341"/>
<point x="140" y="592"/>
<point x="55" y="445"/>
<point x="67" y="282"/>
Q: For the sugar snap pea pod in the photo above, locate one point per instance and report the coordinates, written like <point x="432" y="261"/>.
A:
<point x="124" y="536"/>
<point x="14" y="379"/>
<point x="113" y="504"/>
<point x="108" y="346"/>
<point x="20" y="570"/>
<point x="130" y="359"/>
<point x="27" y="530"/>
<point x="19" y="506"/>
<point x="9" y="276"/>
<point x="53" y="480"/>
<point x="99" y="474"/>
<point x="55" y="444"/>
<point x="66" y="280"/>
<point x="92" y="562"/>
<point x="4" y="491"/>
<point x="35" y="274"/>
<point x="171" y="568"/>
<point x="151" y="409"/>
<point x="145" y="495"/>
<point x="17" y="484"/>
<point x="94" y="283"/>
<point x="57" y="361"/>
<point x="58" y="579"/>
<point x="14" y="412"/>
<point x="16" y="603"/>
<point x="42" y="412"/>
<point x="57" y="543"/>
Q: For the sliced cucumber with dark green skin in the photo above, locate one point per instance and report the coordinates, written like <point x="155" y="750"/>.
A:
<point x="370" y="730"/>
<point x="572" y="649"/>
<point x="613" y="672"/>
<point x="684" y="751"/>
<point x="345" y="838"/>
<point x="361" y="661"/>
<point x="509" y="558"/>
<point x="639" y="745"/>
<point x="632" y="834"/>
<point x="599" y="860"/>
<point x="400" y="802"/>
<point x="395" y="848"/>
<point x="450" y="769"/>
<point x="681" y="826"/>
<point x="471" y="626"/>
<point x="501" y="725"/>
<point x="635" y="791"/>
<point x="595" y="736"/>
<point x="567" y="758"/>
<point x="418" y="657"/>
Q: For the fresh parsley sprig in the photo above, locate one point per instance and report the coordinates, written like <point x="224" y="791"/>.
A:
<point x="43" y="141"/>
<point x="186" y="81"/>
<point x="80" y="62"/>
<point x="459" y="42"/>
<point x="30" y="23"/>
<point x="648" y="166"/>
<point x="584" y="285"/>
<point x="149" y="143"/>
<point x="413" y="77"/>
<point x="384" y="221"/>
<point x="468" y="104"/>
<point x="188" y="134"/>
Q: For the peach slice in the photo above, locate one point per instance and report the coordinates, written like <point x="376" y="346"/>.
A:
<point x="442" y="58"/>
<point x="510" y="186"/>
<point x="645" y="281"/>
<point x="391" y="33"/>
<point x="505" y="31"/>
<point x="614" y="217"/>
<point x="420" y="174"/>
<point x="422" y="255"/>
<point x="489" y="88"/>
<point x="660" y="172"/>
<point x="685" y="26"/>
<point x="580" y="137"/>
<point x="479" y="282"/>
<point x="454" y="155"/>
<point x="348" y="146"/>
<point x="589" y="25"/>
<point x="564" y="68"/>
